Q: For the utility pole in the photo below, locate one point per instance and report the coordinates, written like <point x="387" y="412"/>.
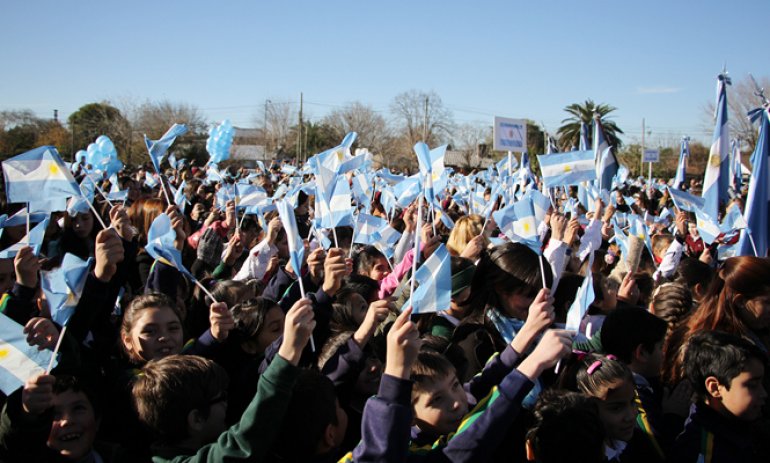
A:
<point x="425" y="125"/>
<point x="641" y="155"/>
<point x="264" y="129"/>
<point x="299" y="135"/>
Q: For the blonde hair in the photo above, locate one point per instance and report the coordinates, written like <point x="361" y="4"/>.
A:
<point x="466" y="228"/>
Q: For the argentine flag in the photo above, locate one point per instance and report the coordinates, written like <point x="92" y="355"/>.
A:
<point x="681" y="170"/>
<point x="18" y="360"/>
<point x="567" y="168"/>
<point x="717" y="178"/>
<point x="758" y="200"/>
<point x="434" y="278"/>
<point x="38" y="173"/>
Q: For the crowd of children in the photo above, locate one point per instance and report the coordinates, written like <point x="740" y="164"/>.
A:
<point x="668" y="363"/>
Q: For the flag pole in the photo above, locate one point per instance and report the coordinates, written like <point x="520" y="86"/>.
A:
<point x="98" y="217"/>
<point x="751" y="239"/>
<point x="55" y="350"/>
<point x="416" y="245"/>
<point x="28" y="214"/>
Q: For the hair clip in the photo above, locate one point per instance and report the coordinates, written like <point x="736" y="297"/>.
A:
<point x="595" y="366"/>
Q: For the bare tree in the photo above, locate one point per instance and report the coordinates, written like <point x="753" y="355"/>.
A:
<point x="278" y="120"/>
<point x="416" y="124"/>
<point x="741" y="98"/>
<point x="154" y="118"/>
<point x="467" y="139"/>
<point x="372" y="128"/>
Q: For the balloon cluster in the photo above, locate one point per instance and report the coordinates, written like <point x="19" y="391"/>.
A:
<point x="219" y="142"/>
<point x="101" y="156"/>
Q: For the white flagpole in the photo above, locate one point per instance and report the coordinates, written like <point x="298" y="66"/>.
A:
<point x="55" y="350"/>
<point x="416" y="246"/>
<point x="28" y="214"/>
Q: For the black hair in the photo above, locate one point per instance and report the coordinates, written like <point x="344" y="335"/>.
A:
<point x="508" y="268"/>
<point x="569" y="283"/>
<point x="249" y="316"/>
<point x="625" y="329"/>
<point x="718" y="354"/>
<point x="366" y="259"/>
<point x="691" y="272"/>
<point x="312" y="408"/>
<point x="367" y="287"/>
<point x="429" y="367"/>
<point x="73" y="383"/>
<point x="567" y="427"/>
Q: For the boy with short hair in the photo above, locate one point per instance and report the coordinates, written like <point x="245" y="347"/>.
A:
<point x="726" y="373"/>
<point x="183" y="400"/>
<point x="53" y="419"/>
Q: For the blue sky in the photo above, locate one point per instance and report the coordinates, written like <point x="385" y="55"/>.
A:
<point x="655" y="59"/>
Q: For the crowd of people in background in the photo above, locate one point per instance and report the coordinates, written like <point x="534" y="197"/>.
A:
<point x="668" y="363"/>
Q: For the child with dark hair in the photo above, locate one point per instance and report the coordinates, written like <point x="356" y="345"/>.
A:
<point x="726" y="372"/>
<point x="372" y="263"/>
<point x="636" y="338"/>
<point x="183" y="400"/>
<point x="449" y="416"/>
<point x="696" y="275"/>
<point x="54" y="419"/>
<point x="567" y="428"/>
<point x="611" y="381"/>
<point x="258" y="322"/>
<point x="350" y="361"/>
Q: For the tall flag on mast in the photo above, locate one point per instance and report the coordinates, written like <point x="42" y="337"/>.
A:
<point x="606" y="164"/>
<point x="758" y="201"/>
<point x="583" y="137"/>
<point x="735" y="166"/>
<point x="717" y="178"/>
<point x="681" y="169"/>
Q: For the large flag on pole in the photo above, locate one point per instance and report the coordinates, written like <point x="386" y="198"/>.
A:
<point x="583" y="137"/>
<point x="681" y="169"/>
<point x="36" y="174"/>
<point x="717" y="178"/>
<point x="567" y="168"/>
<point x="606" y="164"/>
<point x="758" y="201"/>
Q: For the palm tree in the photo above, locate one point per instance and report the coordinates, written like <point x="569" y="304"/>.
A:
<point x="569" y="132"/>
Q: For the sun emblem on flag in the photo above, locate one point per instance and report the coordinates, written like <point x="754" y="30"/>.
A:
<point x="3" y="353"/>
<point x="526" y="226"/>
<point x="714" y="160"/>
<point x="339" y="155"/>
<point x="567" y="168"/>
<point x="53" y="169"/>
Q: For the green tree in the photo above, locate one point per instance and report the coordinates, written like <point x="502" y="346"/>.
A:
<point x="94" y="119"/>
<point x="569" y="132"/>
